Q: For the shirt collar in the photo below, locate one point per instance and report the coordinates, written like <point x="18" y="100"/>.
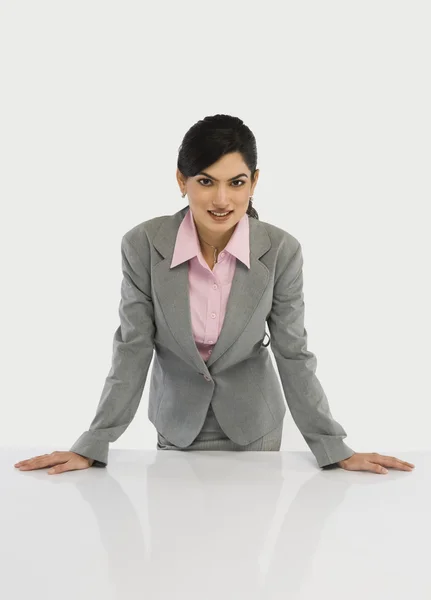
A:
<point x="187" y="244"/>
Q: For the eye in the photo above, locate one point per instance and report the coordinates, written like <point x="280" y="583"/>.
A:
<point x="236" y="181"/>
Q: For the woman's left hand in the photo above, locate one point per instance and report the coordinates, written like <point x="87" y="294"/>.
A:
<point x="372" y="461"/>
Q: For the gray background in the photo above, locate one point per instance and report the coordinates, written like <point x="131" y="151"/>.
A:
<point x="95" y="98"/>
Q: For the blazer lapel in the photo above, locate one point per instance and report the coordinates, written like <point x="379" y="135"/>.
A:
<point x="171" y="288"/>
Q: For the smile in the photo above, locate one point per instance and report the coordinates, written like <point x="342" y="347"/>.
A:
<point x="220" y="217"/>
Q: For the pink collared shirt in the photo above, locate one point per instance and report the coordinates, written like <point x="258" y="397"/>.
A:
<point x="209" y="290"/>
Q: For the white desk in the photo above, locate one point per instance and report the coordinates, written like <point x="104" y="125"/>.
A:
<point x="214" y="525"/>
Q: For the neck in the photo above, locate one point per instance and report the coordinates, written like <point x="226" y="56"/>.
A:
<point x="207" y="239"/>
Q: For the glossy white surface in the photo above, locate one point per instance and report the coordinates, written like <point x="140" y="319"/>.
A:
<point x="212" y="525"/>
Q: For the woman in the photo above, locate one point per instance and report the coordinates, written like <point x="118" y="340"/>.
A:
<point x="198" y="288"/>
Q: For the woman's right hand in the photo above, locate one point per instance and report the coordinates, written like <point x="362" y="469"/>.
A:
<point x="58" y="461"/>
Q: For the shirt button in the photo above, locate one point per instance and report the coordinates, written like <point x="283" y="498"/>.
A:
<point x="222" y="254"/>
<point x="215" y="286"/>
<point x="209" y="351"/>
<point x="210" y="342"/>
<point x="213" y="315"/>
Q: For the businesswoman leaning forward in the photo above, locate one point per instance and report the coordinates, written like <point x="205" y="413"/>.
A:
<point x="199" y="286"/>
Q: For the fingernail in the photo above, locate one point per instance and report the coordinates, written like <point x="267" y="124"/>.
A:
<point x="385" y="470"/>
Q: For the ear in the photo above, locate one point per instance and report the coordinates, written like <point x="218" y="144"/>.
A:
<point x="256" y="177"/>
<point x="181" y="180"/>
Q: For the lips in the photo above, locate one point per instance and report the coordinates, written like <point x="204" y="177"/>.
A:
<point x="221" y="211"/>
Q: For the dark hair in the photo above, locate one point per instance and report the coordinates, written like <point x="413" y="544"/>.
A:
<point x="211" y="138"/>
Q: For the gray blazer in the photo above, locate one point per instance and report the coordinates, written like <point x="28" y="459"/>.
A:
<point x="239" y="378"/>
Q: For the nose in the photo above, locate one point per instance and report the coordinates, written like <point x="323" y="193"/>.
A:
<point x="222" y="198"/>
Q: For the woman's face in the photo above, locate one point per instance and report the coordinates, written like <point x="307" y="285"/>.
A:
<point x="223" y="186"/>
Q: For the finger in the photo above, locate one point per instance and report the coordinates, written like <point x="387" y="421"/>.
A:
<point x="39" y="462"/>
<point x="32" y="466"/>
<point x="392" y="461"/>
<point x="59" y="469"/>
<point x="25" y="462"/>
<point x="32" y="463"/>
<point x="398" y="461"/>
<point x="69" y="465"/>
<point x="404" y="464"/>
<point x="376" y="468"/>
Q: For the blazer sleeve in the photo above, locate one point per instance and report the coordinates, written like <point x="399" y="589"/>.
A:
<point x="304" y="395"/>
<point x="133" y="346"/>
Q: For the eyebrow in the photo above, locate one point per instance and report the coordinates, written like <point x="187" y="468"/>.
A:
<point x="210" y="176"/>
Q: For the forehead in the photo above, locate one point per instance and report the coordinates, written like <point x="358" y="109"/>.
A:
<point x="228" y="165"/>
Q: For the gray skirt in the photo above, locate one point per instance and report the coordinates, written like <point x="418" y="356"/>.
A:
<point x="212" y="437"/>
